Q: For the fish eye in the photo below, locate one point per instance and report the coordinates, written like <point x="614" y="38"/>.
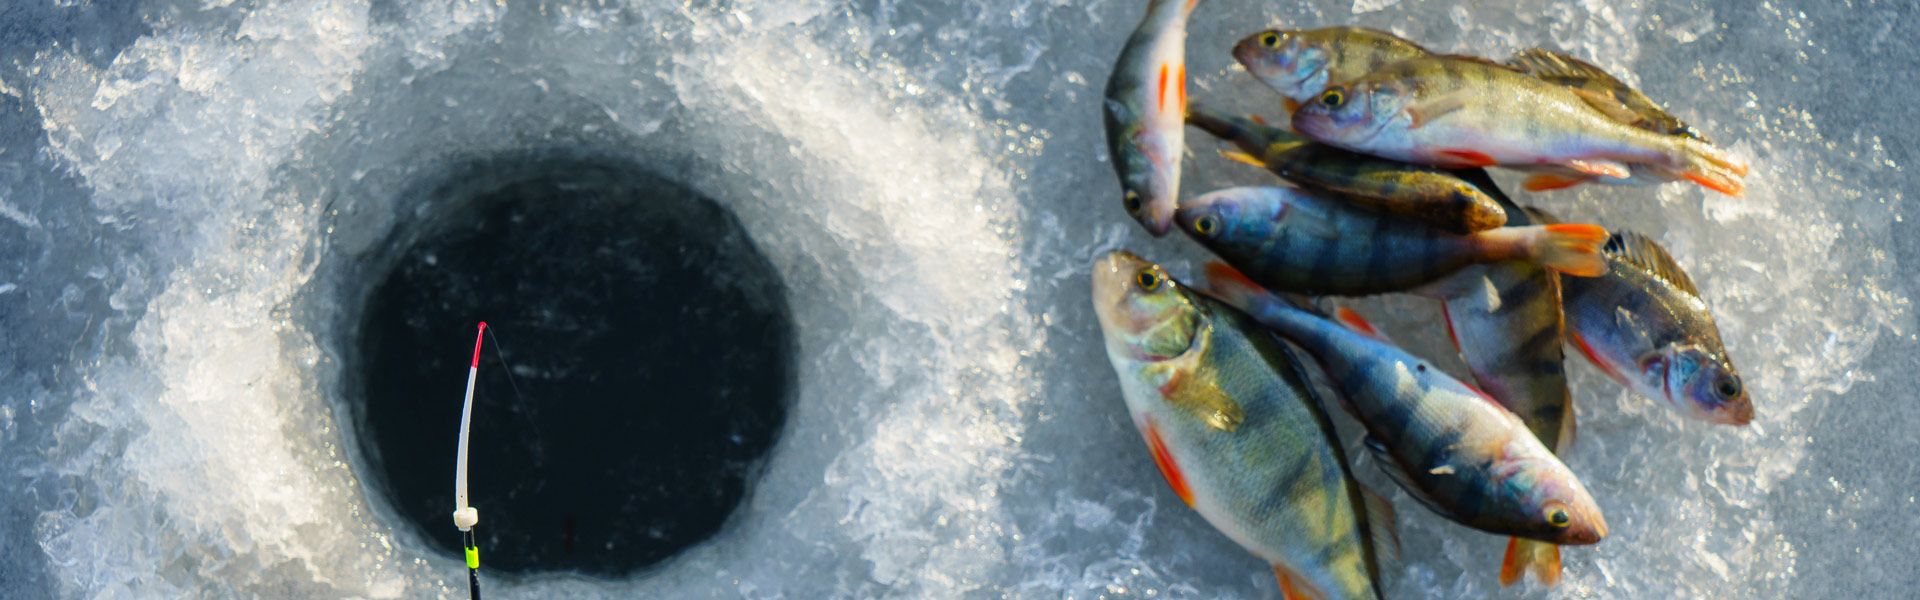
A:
<point x="1207" y="225"/>
<point x="1270" y="39"/>
<point x="1148" y="280"/>
<point x="1728" y="386"/>
<point x="1557" y="517"/>
<point x="1333" y="97"/>
<point x="1133" y="202"/>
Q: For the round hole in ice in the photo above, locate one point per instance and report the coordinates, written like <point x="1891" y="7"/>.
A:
<point x="649" y="347"/>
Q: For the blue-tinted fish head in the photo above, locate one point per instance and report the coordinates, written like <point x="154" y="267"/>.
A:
<point x="1232" y="215"/>
<point x="1556" y="505"/>
<point x="1704" y="385"/>
<point x="1290" y="64"/>
<point x="1350" y="115"/>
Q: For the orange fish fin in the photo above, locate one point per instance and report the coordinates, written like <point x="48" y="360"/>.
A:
<point x="1160" y="91"/>
<point x="1232" y="286"/>
<point x="1587" y="351"/>
<point x="1163" y="459"/>
<point x="1469" y="158"/>
<point x="1719" y="183"/>
<point x="1574" y="249"/>
<point x="1289" y="590"/>
<point x="1290" y="105"/>
<point x="1242" y="157"/>
<point x="1544" y="182"/>
<point x="1541" y="559"/>
<point x="1424" y="112"/>
<point x="1183" y="88"/>
<point x="1603" y="168"/>
<point x="1262" y="120"/>
<point x="1353" y="320"/>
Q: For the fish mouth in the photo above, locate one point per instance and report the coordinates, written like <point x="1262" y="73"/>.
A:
<point x="1737" y="414"/>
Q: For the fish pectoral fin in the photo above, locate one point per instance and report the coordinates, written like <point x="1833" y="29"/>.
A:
<point x="1426" y="111"/>
<point x="1468" y="158"/>
<point x="1200" y="395"/>
<point x="1609" y="106"/>
<point x="1600" y="167"/>
<point x="1391" y="466"/>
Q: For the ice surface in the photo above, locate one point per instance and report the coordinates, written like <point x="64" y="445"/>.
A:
<point x="194" y="194"/>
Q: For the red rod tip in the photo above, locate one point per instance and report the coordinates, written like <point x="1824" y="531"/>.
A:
<point x="477" y="338"/>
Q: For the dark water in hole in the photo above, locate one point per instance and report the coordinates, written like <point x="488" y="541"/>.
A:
<point x="650" y="345"/>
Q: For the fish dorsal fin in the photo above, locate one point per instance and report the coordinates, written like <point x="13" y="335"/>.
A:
<point x="1608" y="105"/>
<point x="1196" y="390"/>
<point x="1382" y="33"/>
<point x="1547" y="64"/>
<point x="1381" y="522"/>
<point x="1391" y="467"/>
<point x="1640" y="251"/>
<point x="1479" y="60"/>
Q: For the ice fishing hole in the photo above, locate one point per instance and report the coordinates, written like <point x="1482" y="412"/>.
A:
<point x="647" y="337"/>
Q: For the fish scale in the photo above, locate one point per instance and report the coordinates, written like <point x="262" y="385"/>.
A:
<point x="1430" y="195"/>
<point x="1274" y="478"/>
<point x="1300" y="241"/>
<point x="1466" y="111"/>
<point x="1448" y="445"/>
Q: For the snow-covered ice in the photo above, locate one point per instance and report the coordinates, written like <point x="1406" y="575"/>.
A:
<point x="187" y="185"/>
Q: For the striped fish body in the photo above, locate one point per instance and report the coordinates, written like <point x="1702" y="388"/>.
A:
<point x="1466" y="107"/>
<point x="1299" y="63"/>
<point x="1596" y="85"/>
<point x="1463" y="112"/>
<point x="1429" y="195"/>
<point x="1294" y="240"/>
<point x="1615" y="98"/>
<point x="1646" y="326"/>
<point x="1144" y="113"/>
<point x="1505" y="320"/>
<point x="1448" y="445"/>
<point x="1232" y="426"/>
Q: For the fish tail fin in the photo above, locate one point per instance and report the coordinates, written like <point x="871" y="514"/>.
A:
<point x="1572" y="249"/>
<point x="1713" y="168"/>
<point x="1541" y="559"/>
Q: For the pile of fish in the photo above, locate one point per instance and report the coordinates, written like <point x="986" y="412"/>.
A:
<point x="1384" y="156"/>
